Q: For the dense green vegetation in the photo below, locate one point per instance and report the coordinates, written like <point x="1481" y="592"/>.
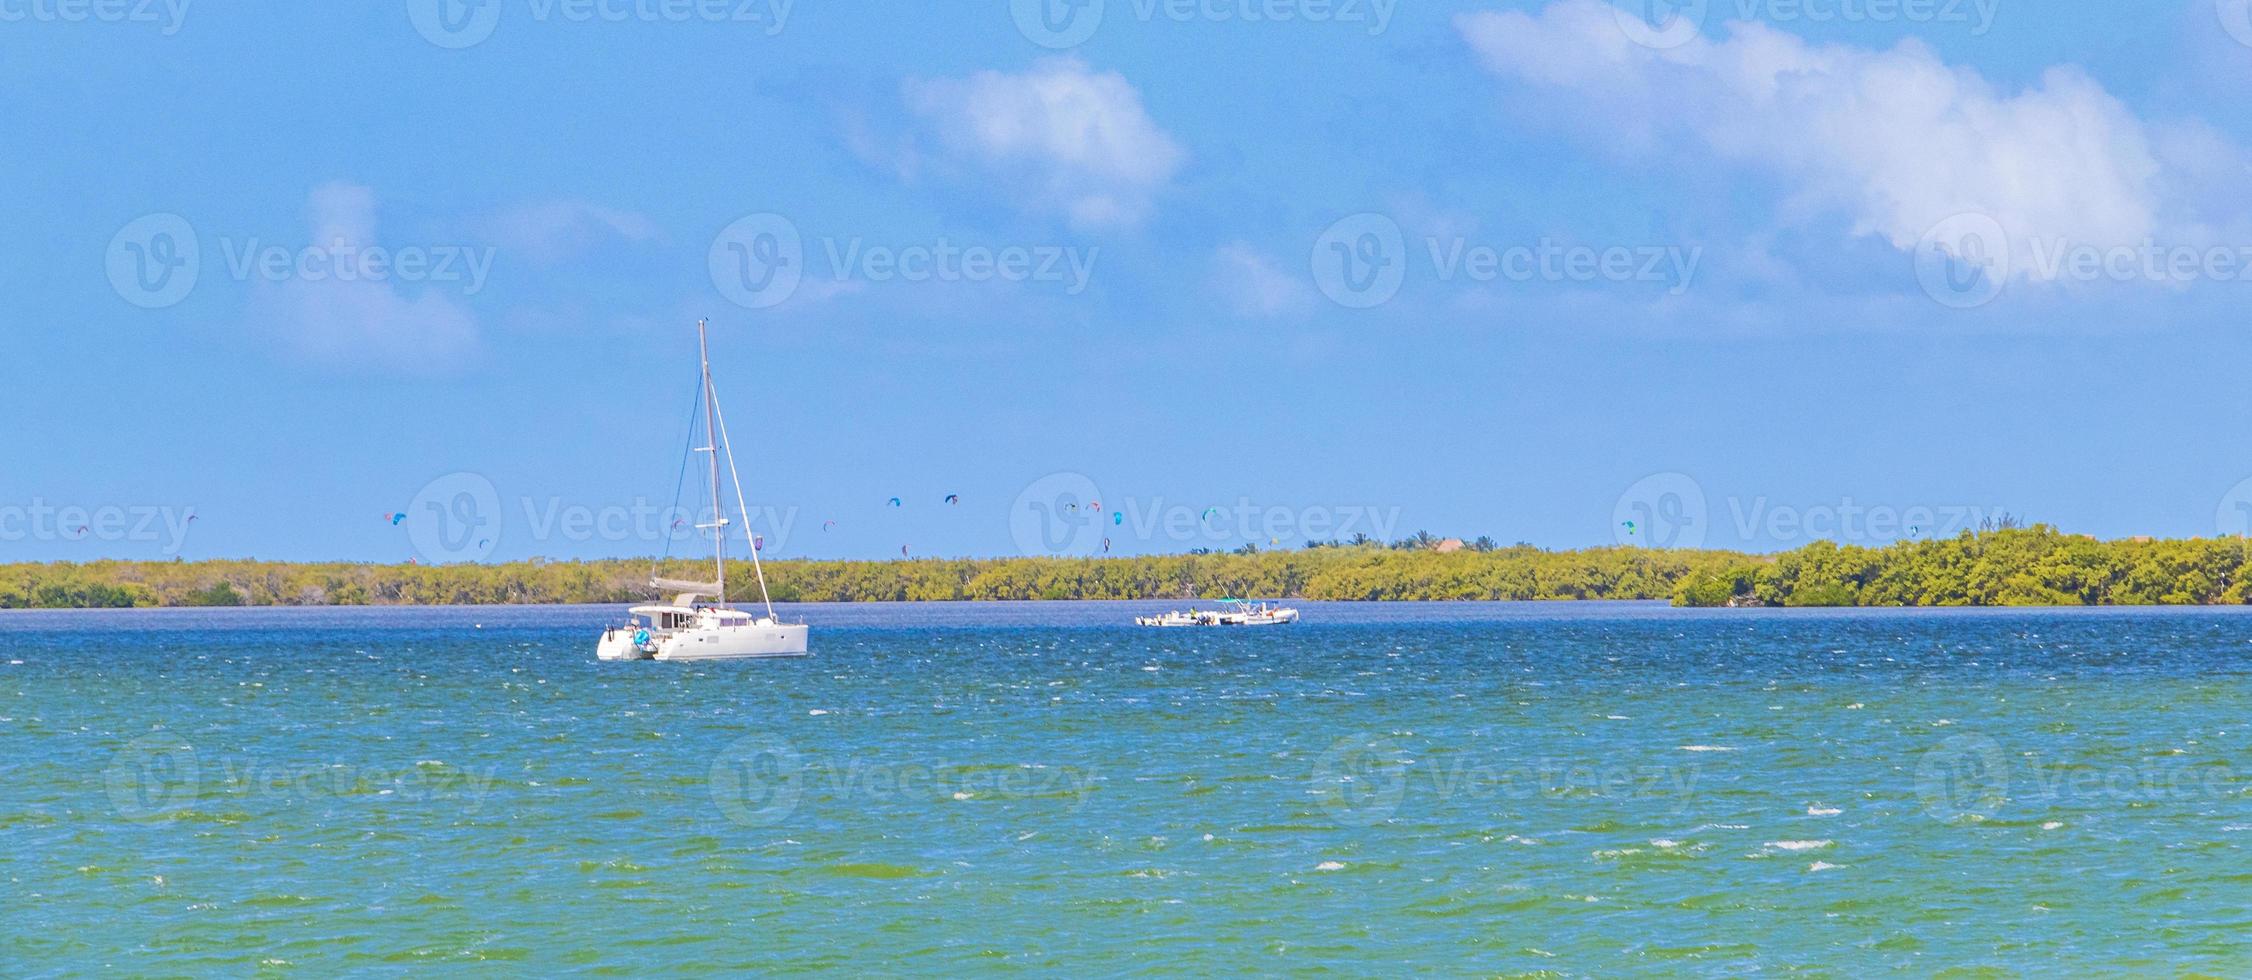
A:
<point x="1343" y="572"/>
<point x="2036" y="566"/>
<point x="2029" y="566"/>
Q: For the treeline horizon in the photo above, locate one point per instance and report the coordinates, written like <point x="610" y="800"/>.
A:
<point x="2000" y="567"/>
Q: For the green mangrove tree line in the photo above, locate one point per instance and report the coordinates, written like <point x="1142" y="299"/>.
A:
<point x="2019" y="566"/>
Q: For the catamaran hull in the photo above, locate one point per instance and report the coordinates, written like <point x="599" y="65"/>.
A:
<point x="619" y="645"/>
<point x="735" y="643"/>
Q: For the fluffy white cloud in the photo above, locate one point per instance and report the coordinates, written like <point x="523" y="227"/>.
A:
<point x="362" y="319"/>
<point x="1254" y="284"/>
<point x="1897" y="140"/>
<point x="1070" y="138"/>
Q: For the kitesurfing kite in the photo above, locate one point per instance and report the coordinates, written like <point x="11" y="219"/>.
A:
<point x="895" y="501"/>
<point x="954" y="498"/>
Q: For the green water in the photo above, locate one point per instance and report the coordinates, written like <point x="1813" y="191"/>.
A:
<point x="1486" y="789"/>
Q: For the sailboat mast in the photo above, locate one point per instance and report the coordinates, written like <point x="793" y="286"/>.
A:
<point x="711" y="438"/>
<point x="743" y="504"/>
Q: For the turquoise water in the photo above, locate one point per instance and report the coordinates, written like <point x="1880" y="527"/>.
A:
<point x="1495" y="789"/>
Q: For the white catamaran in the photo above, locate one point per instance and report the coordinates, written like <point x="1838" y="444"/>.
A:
<point x="686" y="629"/>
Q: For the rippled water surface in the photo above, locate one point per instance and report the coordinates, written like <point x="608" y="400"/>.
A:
<point x="1501" y="789"/>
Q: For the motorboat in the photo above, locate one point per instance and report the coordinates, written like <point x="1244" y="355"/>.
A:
<point x="1232" y="612"/>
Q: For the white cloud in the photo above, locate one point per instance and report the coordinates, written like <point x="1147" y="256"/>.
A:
<point x="1254" y="285"/>
<point x="1073" y="139"/>
<point x="1896" y="140"/>
<point x="365" y="322"/>
<point x="549" y="232"/>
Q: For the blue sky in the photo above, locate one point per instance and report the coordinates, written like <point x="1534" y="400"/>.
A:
<point x="1112" y="261"/>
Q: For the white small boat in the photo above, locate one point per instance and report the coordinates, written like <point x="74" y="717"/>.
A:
<point x="685" y="629"/>
<point x="1172" y="619"/>
<point x="1232" y="612"/>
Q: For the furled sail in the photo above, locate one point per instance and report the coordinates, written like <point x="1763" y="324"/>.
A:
<point x="685" y="586"/>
